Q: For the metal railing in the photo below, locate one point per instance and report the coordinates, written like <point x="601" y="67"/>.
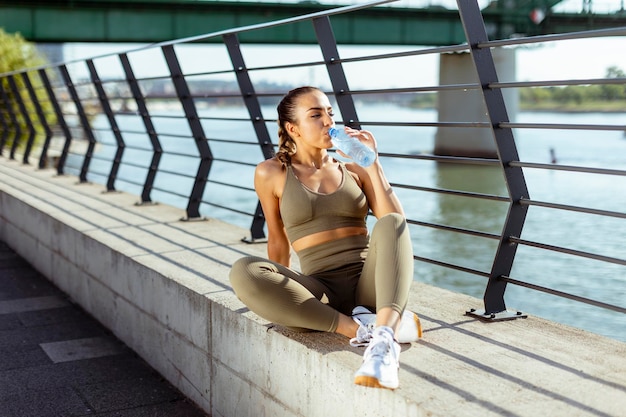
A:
<point x="167" y="137"/>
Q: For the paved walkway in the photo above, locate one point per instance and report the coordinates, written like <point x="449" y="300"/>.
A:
<point x="57" y="361"/>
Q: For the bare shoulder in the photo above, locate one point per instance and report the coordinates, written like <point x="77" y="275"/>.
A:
<point x="269" y="168"/>
<point x="269" y="176"/>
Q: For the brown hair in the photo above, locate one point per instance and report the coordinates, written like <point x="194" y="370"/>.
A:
<point x="286" y="113"/>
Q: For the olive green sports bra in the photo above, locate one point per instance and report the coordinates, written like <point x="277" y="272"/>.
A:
<point x="305" y="212"/>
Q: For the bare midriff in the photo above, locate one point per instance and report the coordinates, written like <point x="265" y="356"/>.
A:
<point x="327" y="236"/>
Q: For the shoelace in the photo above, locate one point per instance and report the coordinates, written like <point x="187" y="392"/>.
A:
<point x="379" y="347"/>
<point x="363" y="336"/>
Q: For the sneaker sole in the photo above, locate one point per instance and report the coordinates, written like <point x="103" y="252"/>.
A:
<point x="410" y="338"/>
<point x="372" y="382"/>
<point x="418" y="323"/>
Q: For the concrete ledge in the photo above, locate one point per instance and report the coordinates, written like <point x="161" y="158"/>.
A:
<point x="161" y="285"/>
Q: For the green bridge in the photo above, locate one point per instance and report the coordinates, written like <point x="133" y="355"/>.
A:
<point x="50" y="21"/>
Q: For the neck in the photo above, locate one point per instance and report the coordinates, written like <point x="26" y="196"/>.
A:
<point x="311" y="161"/>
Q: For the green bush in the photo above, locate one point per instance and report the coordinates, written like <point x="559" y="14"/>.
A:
<point x="17" y="54"/>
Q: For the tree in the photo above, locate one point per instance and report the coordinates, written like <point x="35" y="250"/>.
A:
<point x="17" y="54"/>
<point x="612" y="92"/>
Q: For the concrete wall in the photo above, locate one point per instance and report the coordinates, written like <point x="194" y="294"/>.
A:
<point x="160" y="284"/>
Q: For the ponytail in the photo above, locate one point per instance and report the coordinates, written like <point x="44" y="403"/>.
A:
<point x="286" y="113"/>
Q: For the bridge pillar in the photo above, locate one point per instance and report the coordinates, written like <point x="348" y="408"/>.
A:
<point x="469" y="106"/>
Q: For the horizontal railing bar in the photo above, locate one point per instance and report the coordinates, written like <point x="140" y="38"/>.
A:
<point x="453" y="192"/>
<point x="445" y="87"/>
<point x="227" y="208"/>
<point x="186" y="155"/>
<point x="174" y="135"/>
<point x="177" y="174"/>
<point x="404" y="54"/>
<point x="563" y="126"/>
<point x="160" y="115"/>
<point x="240" y="187"/>
<point x="569" y="168"/>
<point x="451" y="266"/>
<point x="93" y="172"/>
<point x="230" y="161"/>
<point x="589" y="81"/>
<point x="227" y="119"/>
<point x="135" y="165"/>
<point x="620" y="31"/>
<point x="101" y="158"/>
<point x="126" y="180"/>
<point x="582" y="254"/>
<point x="454" y="229"/>
<point x="137" y="148"/>
<point x="444" y="159"/>
<point x="164" y="191"/>
<point x="234" y="142"/>
<point x="563" y="294"/>
<point x="427" y="124"/>
<point x="587" y="210"/>
<point x="133" y="132"/>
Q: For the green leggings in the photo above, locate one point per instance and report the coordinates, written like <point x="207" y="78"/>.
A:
<point x="377" y="275"/>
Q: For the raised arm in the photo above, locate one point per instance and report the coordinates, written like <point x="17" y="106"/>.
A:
<point x="269" y="178"/>
<point x="380" y="196"/>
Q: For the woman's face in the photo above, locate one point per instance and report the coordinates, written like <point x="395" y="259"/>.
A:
<point x="314" y="116"/>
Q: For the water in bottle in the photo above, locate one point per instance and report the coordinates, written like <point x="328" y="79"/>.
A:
<point x="354" y="148"/>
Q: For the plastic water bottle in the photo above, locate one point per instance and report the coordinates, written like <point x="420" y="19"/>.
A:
<point x="354" y="148"/>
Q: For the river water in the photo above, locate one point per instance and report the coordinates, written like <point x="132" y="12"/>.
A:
<point x="605" y="236"/>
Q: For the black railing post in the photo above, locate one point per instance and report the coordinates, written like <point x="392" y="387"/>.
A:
<point x="157" y="151"/>
<point x="83" y="120"/>
<point x="40" y="115"/>
<point x="18" y="129"/>
<point x="3" y="117"/>
<point x="476" y="34"/>
<point x="328" y="45"/>
<point x="108" y="111"/>
<point x="191" y="113"/>
<point x="60" y="120"/>
<point x="27" y="119"/>
<point x="256" y="116"/>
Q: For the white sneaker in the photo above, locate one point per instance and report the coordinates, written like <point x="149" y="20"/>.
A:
<point x="366" y="321"/>
<point x="410" y="329"/>
<point x="380" y="361"/>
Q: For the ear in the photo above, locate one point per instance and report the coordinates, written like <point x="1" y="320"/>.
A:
<point x="292" y="130"/>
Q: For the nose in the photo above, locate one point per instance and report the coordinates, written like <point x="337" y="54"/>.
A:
<point x="328" y="120"/>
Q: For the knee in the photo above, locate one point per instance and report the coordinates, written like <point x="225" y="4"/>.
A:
<point x="241" y="272"/>
<point x="392" y="224"/>
<point x="393" y="221"/>
<point x="394" y="218"/>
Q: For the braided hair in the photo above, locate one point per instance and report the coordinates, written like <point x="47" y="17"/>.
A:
<point x="286" y="113"/>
